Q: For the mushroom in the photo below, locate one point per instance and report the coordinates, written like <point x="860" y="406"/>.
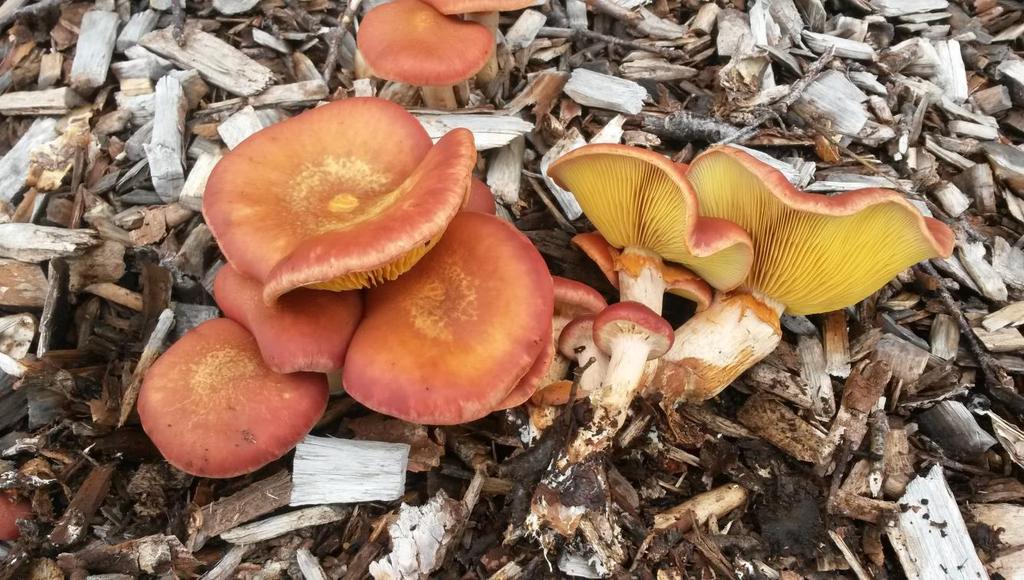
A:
<point x="480" y="199"/>
<point x="486" y="13"/>
<point x="630" y="334"/>
<point x="447" y="342"/>
<point x="678" y="280"/>
<point x="813" y="254"/>
<point x="304" y="330"/>
<point x="340" y="197"/>
<point x="409" y="41"/>
<point x="12" y="509"/>
<point x="640" y="202"/>
<point x="572" y="299"/>
<point x="576" y="342"/>
<point x="531" y="381"/>
<point x="214" y="409"/>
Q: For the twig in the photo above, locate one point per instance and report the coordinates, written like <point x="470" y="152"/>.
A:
<point x="334" y="49"/>
<point x="997" y="380"/>
<point x="577" y="34"/>
<point x="784" y="103"/>
<point x="179" y="22"/>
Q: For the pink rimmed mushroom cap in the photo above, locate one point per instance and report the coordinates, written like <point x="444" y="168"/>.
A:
<point x="814" y="253"/>
<point x="304" y="330"/>
<point x="633" y="319"/>
<point x="481" y="198"/>
<point x="340" y="197"/>
<point x="639" y="199"/>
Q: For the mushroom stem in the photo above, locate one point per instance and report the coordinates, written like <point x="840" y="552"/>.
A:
<point x="640" y="278"/>
<point x="442" y="98"/>
<point x="611" y="400"/>
<point x="594" y="375"/>
<point x="490" y="20"/>
<point x="360" y="69"/>
<point x="717" y="345"/>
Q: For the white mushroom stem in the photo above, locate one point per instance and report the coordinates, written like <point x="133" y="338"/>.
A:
<point x="717" y="345"/>
<point x="442" y="98"/>
<point x="640" y="278"/>
<point x="611" y="400"/>
<point x="490" y="20"/>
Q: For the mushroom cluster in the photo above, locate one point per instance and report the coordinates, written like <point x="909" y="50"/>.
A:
<point x="358" y="256"/>
<point x="359" y="248"/>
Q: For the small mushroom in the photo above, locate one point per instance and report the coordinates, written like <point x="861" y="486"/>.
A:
<point x="214" y="409"/>
<point x="12" y="509"/>
<point x="678" y="280"/>
<point x="813" y="254"/>
<point x="486" y="13"/>
<point x="630" y="334"/>
<point x="340" y="197"/>
<point x="576" y="342"/>
<point x="409" y="41"/>
<point x="447" y="342"/>
<point x="640" y="203"/>
<point x="304" y="330"/>
<point x="481" y="198"/>
<point x="572" y="299"/>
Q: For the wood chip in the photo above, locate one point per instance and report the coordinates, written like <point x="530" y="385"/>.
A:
<point x="489" y="131"/>
<point x="47" y="102"/>
<point x="945" y="337"/>
<point x="343" y="471"/>
<point x="284" y="523"/>
<point x="603" y="91"/>
<point x="165" y="150"/>
<point x="94" y="50"/>
<point x="776" y="423"/>
<point x="219" y="63"/>
<point x="15" y="163"/>
<point x="32" y="243"/>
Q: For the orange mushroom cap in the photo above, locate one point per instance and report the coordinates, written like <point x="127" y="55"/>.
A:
<point x="449" y="340"/>
<point x="531" y="381"/>
<point x="480" y="199"/>
<point x="678" y="280"/>
<point x="408" y="41"/>
<point x="305" y="330"/>
<point x="340" y="197"/>
<point x="639" y="199"/>
<point x="814" y="253"/>
<point x="574" y="299"/>
<point x="468" y="6"/>
<point x="214" y="409"/>
<point x="12" y="509"/>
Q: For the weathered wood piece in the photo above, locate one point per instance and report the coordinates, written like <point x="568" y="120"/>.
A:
<point x="15" y="163"/>
<point x="154" y="346"/>
<point x="219" y="63"/>
<point x="46" y="102"/>
<point x="972" y="256"/>
<point x="232" y="7"/>
<point x="832" y="96"/>
<point x="139" y="25"/>
<point x="165" y="150"/>
<point x="953" y="426"/>
<point x="345" y="471"/>
<point x="253" y="501"/>
<point x="836" y="339"/>
<point x="525" y="29"/>
<point x="94" y="50"/>
<point x="594" y="89"/>
<point x="952" y="200"/>
<point x="32" y="243"/>
<point x="292" y="95"/>
<point x="489" y="131"/>
<point x="776" y="423"/>
<point x="51" y="67"/>
<point x="566" y="200"/>
<point x="698" y="509"/>
<point x="945" y="337"/>
<point x="279" y="525"/>
<point x="195" y="184"/>
<point x="505" y="172"/>
<point x="906" y="360"/>
<point x="74" y="524"/>
<point x="239" y="126"/>
<point x="930" y="537"/>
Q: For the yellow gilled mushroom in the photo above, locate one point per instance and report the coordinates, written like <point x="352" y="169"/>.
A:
<point x="641" y="203"/>
<point x="812" y="254"/>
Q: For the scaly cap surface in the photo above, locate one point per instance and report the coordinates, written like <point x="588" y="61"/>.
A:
<point x="449" y="340"/>
<point x="814" y="253"/>
<point x="638" y="198"/>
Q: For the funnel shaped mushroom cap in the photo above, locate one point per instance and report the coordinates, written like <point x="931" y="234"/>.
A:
<point x="531" y="381"/>
<point x="409" y="41"/>
<point x="678" y="280"/>
<point x="467" y="6"/>
<point x="633" y="318"/>
<point x="814" y="253"/>
<point x="305" y="330"/>
<point x="214" y="409"/>
<point x="12" y="510"/>
<point x="481" y="198"/>
<point x="340" y="197"/>
<point x="640" y="199"/>
<point x="447" y="342"/>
